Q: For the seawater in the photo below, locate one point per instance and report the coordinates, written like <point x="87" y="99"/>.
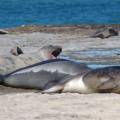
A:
<point x="93" y="53"/>
<point x="58" y="12"/>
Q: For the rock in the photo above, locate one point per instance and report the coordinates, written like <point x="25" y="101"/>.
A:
<point x="16" y="51"/>
<point x="3" y="31"/>
<point x="105" y="33"/>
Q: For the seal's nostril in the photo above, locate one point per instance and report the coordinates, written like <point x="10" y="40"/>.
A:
<point x="56" y="52"/>
<point x="60" y="49"/>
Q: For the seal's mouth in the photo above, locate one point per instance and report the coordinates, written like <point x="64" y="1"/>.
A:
<point x="56" y="52"/>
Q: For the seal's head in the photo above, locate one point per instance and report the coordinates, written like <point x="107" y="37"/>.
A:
<point x="50" y="52"/>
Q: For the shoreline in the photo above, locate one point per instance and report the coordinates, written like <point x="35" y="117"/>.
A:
<point x="59" y="28"/>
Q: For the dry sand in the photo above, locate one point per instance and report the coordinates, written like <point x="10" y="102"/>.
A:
<point x="18" y="104"/>
<point x="35" y="106"/>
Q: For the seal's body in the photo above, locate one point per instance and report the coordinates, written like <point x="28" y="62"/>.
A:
<point x="44" y="75"/>
<point x="60" y="75"/>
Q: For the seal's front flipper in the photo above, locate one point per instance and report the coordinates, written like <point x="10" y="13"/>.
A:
<point x="53" y="89"/>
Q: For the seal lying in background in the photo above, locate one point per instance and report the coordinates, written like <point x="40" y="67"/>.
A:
<point x="102" y="80"/>
<point x="15" y="61"/>
<point x="43" y="75"/>
<point x="46" y="52"/>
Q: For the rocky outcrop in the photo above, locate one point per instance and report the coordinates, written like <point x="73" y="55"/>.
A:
<point x="16" y="51"/>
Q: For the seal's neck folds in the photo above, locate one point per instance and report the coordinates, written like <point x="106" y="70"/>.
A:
<point x="76" y="85"/>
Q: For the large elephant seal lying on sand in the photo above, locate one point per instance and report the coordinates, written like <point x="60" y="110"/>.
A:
<point x="60" y="75"/>
<point x="44" y="75"/>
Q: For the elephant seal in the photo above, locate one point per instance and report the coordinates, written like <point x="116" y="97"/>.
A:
<point x="43" y="75"/>
<point x="102" y="80"/>
<point x="10" y="62"/>
<point x="46" y="52"/>
<point x="65" y="76"/>
<point x="105" y="33"/>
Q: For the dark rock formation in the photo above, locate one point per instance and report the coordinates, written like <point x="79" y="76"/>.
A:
<point x="16" y="51"/>
<point x="3" y="31"/>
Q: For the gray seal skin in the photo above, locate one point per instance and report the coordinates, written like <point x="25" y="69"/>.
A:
<point x="102" y="80"/>
<point x="44" y="75"/>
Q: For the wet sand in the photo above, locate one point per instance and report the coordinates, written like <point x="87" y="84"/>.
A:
<point x="19" y="104"/>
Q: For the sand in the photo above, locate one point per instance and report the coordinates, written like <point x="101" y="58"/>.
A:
<point x="35" y="106"/>
<point x="19" y="104"/>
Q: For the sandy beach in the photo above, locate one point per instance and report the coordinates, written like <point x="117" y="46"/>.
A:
<point x="19" y="104"/>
